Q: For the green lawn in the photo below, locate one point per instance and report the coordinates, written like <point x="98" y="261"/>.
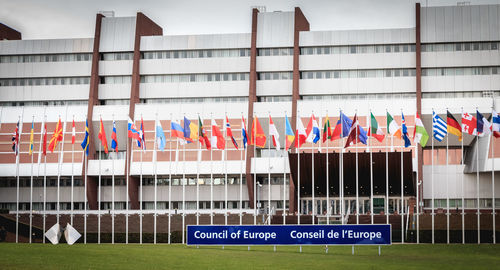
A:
<point x="120" y="256"/>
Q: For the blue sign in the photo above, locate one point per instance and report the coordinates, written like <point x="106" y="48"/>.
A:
<point x="377" y="234"/>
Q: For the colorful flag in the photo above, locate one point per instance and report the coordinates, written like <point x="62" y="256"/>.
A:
<point x="453" y="127"/>
<point x="15" y="140"/>
<point x="190" y="131"/>
<point x="258" y="137"/>
<point x="217" y="138"/>
<point x="393" y="127"/>
<point x="142" y="136"/>
<point x="375" y="131"/>
<point x="56" y="136"/>
<point x="44" y="143"/>
<point x="86" y="139"/>
<point x="73" y="132"/>
<point x="327" y="130"/>
<point x="229" y="133"/>
<point x="439" y="127"/>
<point x="356" y="133"/>
<point x="420" y="135"/>
<point x="312" y="130"/>
<point x="132" y="131"/>
<point x="301" y="133"/>
<point x="114" y="139"/>
<point x="203" y="136"/>
<point x="31" y="137"/>
<point x="244" y="136"/>
<point x="102" y="137"/>
<point x="342" y="127"/>
<point x="495" y="119"/>
<point x="469" y="124"/>
<point x="486" y="127"/>
<point x="161" y="140"/>
<point x="176" y="130"/>
<point x="289" y="136"/>
<point x="405" y="131"/>
<point x="479" y="123"/>
<point x="273" y="132"/>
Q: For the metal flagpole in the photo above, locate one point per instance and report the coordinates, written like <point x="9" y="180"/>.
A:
<point x="285" y="156"/>
<point x="211" y="174"/>
<point x="170" y="182"/>
<point x="269" y="171"/>
<point x="183" y="188"/>
<point x="432" y="179"/>
<point x="156" y="178"/>
<point x="312" y="177"/>
<point x="387" y="171"/>
<point x="447" y="195"/>
<point x="224" y="152"/>
<point x="341" y="169"/>
<point x="463" y="189"/>
<point x="255" y="173"/>
<point x="44" y="173"/>
<point x="113" y="192"/>
<point x="85" y="196"/>
<point x="328" y="204"/>
<point x="357" y="170"/>
<point x="198" y="157"/>
<point x="72" y="175"/>
<point x="99" y="196"/>
<point x="493" y="182"/>
<point x="243" y="151"/>
<point x="418" y="190"/>
<point x="20" y="121"/>
<point x="31" y="184"/>
<point x="128" y="162"/>
<point x="402" y="212"/>
<point x="477" y="186"/>
<point x="143" y="145"/>
<point x="59" y="167"/>
<point x="298" y="171"/>
<point x="371" y="171"/>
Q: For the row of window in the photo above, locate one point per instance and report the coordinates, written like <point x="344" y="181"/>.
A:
<point x="117" y="56"/>
<point x="38" y="182"/>
<point x="457" y="203"/>
<point x="353" y="49"/>
<point x="370" y="96"/>
<point x="275" y="75"/>
<point x="215" y="77"/>
<point x="196" y="54"/>
<point x="44" y="81"/>
<point x="364" y="73"/>
<point x="44" y="103"/>
<point x="67" y="57"/>
<point x="460" y="46"/>
<point x="459" y="71"/>
<point x="194" y="100"/>
<point x="465" y="94"/>
<point x="274" y="51"/>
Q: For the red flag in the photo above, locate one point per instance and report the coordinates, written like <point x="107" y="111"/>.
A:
<point x="202" y="136"/>
<point x="102" y="137"/>
<point x="73" y="133"/>
<point x="469" y="123"/>
<point x="258" y="137"/>
<point x="229" y="133"/>
<point x="44" y="145"/>
<point x="56" y="136"/>
<point x="217" y="138"/>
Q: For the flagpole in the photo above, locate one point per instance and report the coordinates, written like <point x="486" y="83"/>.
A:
<point x="39" y="146"/>
<point x="20" y="121"/>
<point x="285" y="156"/>
<point x="417" y="187"/>
<point x="225" y="170"/>
<point x="143" y="145"/>
<point x="328" y="204"/>
<point x="493" y="180"/>
<point x="198" y="157"/>
<point x="269" y="170"/>
<point x="357" y="170"/>
<point x="211" y="174"/>
<point x="31" y="183"/>
<point x="402" y="187"/>
<point x="113" y="189"/>
<point x="463" y="189"/>
<point x="183" y="188"/>
<point x="85" y="195"/>
<point x="447" y="194"/>
<point x="170" y="182"/>
<point x="72" y="175"/>
<point x="371" y="171"/>
<point x="298" y="171"/>
<point x="44" y="176"/>
<point x="312" y="174"/>
<point x="255" y="173"/>
<point x="387" y="170"/>
<point x="477" y="183"/>
<point x="341" y="169"/>
<point x="156" y="177"/>
<point x="128" y="162"/>
<point x="243" y="151"/>
<point x="61" y="158"/>
<point x="432" y="176"/>
<point x="99" y="195"/>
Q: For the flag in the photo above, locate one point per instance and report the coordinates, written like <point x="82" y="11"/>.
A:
<point x="356" y="133"/>
<point x="15" y="140"/>
<point x="469" y="124"/>
<point x="453" y="127"/>
<point x="102" y="137"/>
<point x="142" y="143"/>
<point x="229" y="133"/>
<point x="31" y="137"/>
<point x="56" y="136"/>
<point x="86" y="139"/>
<point x="217" y="138"/>
<point x="375" y="131"/>
<point x="258" y="137"/>
<point x="301" y="133"/>
<point x="495" y="119"/>
<point x="420" y="135"/>
<point x="176" y="130"/>
<point x="161" y="140"/>
<point x="132" y="131"/>
<point x="343" y="126"/>
<point x="73" y="132"/>
<point x="312" y="130"/>
<point x="405" y="131"/>
<point x="393" y="127"/>
<point x="202" y="136"/>
<point x="190" y="131"/>
<point x="44" y="143"/>
<point x="289" y="136"/>
<point x="244" y="133"/>
<point x="439" y="129"/>
<point x="479" y="123"/>
<point x="273" y="133"/>
<point x="327" y="130"/>
<point x="114" y="140"/>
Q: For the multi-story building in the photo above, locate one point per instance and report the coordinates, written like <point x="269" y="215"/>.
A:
<point x="450" y="61"/>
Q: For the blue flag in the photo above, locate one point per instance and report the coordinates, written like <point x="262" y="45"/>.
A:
<point x="405" y="132"/>
<point x="160" y="137"/>
<point x="86" y="140"/>
<point x="346" y="124"/>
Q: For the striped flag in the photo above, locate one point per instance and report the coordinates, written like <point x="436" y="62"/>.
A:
<point x="393" y="127"/>
<point x="244" y="133"/>
<point x="73" y="132"/>
<point x="439" y="127"/>
<point x="202" y="136"/>
<point x="453" y="125"/>
<point x="273" y="132"/>
<point x="327" y="130"/>
<point x="229" y="133"/>
<point x="405" y="131"/>
<point x="31" y="137"/>
<point x="420" y="135"/>
<point x="312" y="130"/>
<point x="15" y="140"/>
<point x="289" y="136"/>
<point x="374" y="130"/>
<point x="495" y="119"/>
<point x="44" y="143"/>
<point x="114" y="140"/>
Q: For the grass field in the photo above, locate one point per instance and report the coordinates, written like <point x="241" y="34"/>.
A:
<point x="107" y="256"/>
